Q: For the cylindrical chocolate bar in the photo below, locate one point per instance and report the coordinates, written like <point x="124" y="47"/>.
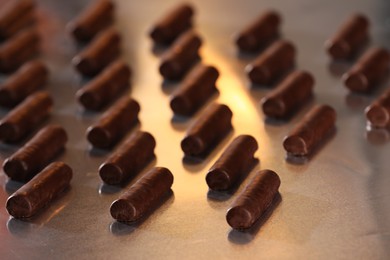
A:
<point x="131" y="157"/>
<point x="181" y="56"/>
<point x="36" y="153"/>
<point x="197" y="87"/>
<point x="349" y="38"/>
<point x="207" y="130"/>
<point x="92" y="20"/>
<point x="114" y="123"/>
<point x="31" y="76"/>
<point x="254" y="200"/>
<point x="235" y="161"/>
<point x="25" y="117"/>
<point x="18" y="49"/>
<point x="105" y="87"/>
<point x="260" y="32"/>
<point x="316" y="125"/>
<point x="378" y="113"/>
<point x="38" y="192"/>
<point x="289" y="95"/>
<point x="14" y="16"/>
<point x="103" y="49"/>
<point x="174" y="23"/>
<point x="368" y="71"/>
<point x="142" y="196"/>
<point x="275" y="61"/>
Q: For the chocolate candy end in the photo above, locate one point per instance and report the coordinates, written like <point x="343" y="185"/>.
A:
<point x="8" y="132"/>
<point x="6" y="98"/>
<point x="19" y="207"/>
<point x="123" y="211"/>
<point x="88" y="100"/>
<point x="180" y="106"/>
<point x="169" y="70"/>
<point x="378" y="116"/>
<point x="239" y="218"/>
<point x="15" y="169"/>
<point x="111" y="174"/>
<point x="338" y="50"/>
<point x="356" y="82"/>
<point x="246" y="43"/>
<point x="295" y="145"/>
<point x="258" y="75"/>
<point x="218" y="179"/>
<point x="99" y="137"/>
<point x="84" y="66"/>
<point x="192" y="146"/>
<point x="273" y="107"/>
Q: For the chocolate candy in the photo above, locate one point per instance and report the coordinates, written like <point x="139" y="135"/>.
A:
<point x="316" y="125"/>
<point x="368" y="71"/>
<point x="289" y="95"/>
<point x="197" y="87"/>
<point x="31" y="76"/>
<point x="254" y="200"/>
<point x="39" y="191"/>
<point x="181" y="56"/>
<point x="36" y="153"/>
<point x="207" y="130"/>
<point x="378" y="113"/>
<point x="25" y="117"/>
<point x="271" y="64"/>
<point x="174" y="23"/>
<point x="142" y="196"/>
<point x="259" y="33"/>
<point x="351" y="37"/>
<point x="131" y="157"/>
<point x="92" y="20"/>
<point x="105" y="87"/>
<point x="235" y="161"/>
<point x="14" y="16"/>
<point x="114" y="123"/>
<point x="18" y="49"/>
<point x="99" y="53"/>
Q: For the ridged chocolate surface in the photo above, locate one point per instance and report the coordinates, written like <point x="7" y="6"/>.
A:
<point x="39" y="191"/>
<point x="36" y="153"/>
<point x="259" y="32"/>
<point x="14" y="16"/>
<point x="197" y="87"/>
<point x="289" y="95"/>
<point x="272" y="63"/>
<point x="254" y="200"/>
<point x="181" y="56"/>
<point x="368" y="71"/>
<point x="114" y="123"/>
<point x="126" y="161"/>
<point x="30" y="77"/>
<point x="315" y="126"/>
<point x="24" y="118"/>
<point x="234" y="162"/>
<point x="172" y="24"/>
<point x="378" y="113"/>
<point x="96" y="17"/>
<point x="142" y="196"/>
<point x="207" y="130"/>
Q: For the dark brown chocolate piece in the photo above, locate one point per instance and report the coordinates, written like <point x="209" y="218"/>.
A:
<point x="103" y="49"/>
<point x="181" y="56"/>
<point x="36" y="153"/>
<point x="114" y="123"/>
<point x="24" y="118"/>
<point x="174" y="23"/>
<point x="350" y="38"/>
<point x="289" y="95"/>
<point x="14" y="16"/>
<point x="30" y="77"/>
<point x="316" y="125"/>
<point x="368" y="71"/>
<point x="259" y="33"/>
<point x="378" y="113"/>
<point x="197" y="87"/>
<point x="271" y="64"/>
<point x="235" y="161"/>
<point x="130" y="158"/>
<point x="254" y="200"/>
<point x="95" y="18"/>
<point x="105" y="87"/>
<point x="209" y="129"/>
<point x="40" y="191"/>
<point x="142" y="196"/>
<point x="18" y="49"/>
